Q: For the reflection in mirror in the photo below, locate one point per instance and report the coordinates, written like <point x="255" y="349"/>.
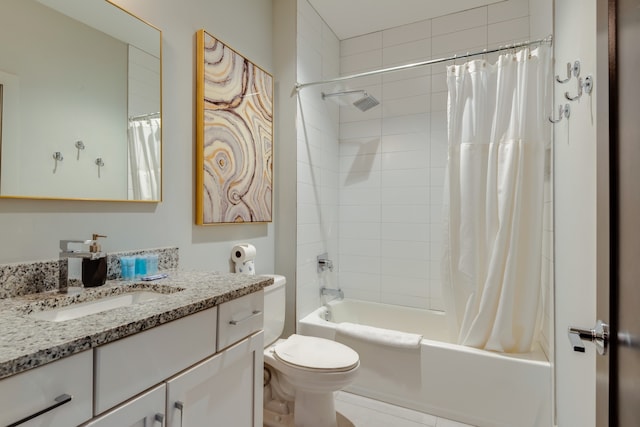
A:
<point x="85" y="71"/>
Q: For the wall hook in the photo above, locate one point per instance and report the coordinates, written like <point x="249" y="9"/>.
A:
<point x="563" y="110"/>
<point x="100" y="163"/>
<point x="57" y="156"/>
<point x="585" y="85"/>
<point x="571" y="69"/>
<point x="79" y="146"/>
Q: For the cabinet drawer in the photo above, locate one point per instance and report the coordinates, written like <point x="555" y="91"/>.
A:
<point x="240" y="318"/>
<point x="131" y="365"/>
<point x="32" y="391"/>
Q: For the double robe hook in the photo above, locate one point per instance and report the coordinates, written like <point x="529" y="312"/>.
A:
<point x="563" y="111"/>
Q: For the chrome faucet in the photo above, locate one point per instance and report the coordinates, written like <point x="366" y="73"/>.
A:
<point x="65" y="253"/>
<point x="324" y="263"/>
<point x="335" y="293"/>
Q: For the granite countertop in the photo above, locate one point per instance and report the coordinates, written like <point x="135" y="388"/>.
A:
<point x="27" y="342"/>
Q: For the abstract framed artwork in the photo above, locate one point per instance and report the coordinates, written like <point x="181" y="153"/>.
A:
<point x="234" y="142"/>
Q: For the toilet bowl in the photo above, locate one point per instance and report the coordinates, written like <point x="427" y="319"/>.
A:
<point x="302" y="373"/>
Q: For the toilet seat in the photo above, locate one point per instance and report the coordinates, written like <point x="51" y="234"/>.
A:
<point x="316" y="354"/>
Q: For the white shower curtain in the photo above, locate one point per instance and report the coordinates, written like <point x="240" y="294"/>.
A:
<point x="144" y="159"/>
<point x="493" y="207"/>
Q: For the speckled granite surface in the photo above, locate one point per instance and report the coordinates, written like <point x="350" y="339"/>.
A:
<point x="26" y="342"/>
<point x="40" y="276"/>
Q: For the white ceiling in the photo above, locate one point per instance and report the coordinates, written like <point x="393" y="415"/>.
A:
<point x="350" y="18"/>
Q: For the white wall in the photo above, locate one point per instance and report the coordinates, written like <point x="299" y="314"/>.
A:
<point x="575" y="213"/>
<point x="317" y="166"/>
<point x="393" y="157"/>
<point x="31" y="229"/>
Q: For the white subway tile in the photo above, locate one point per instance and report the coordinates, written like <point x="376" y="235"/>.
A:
<point x="458" y="22"/>
<point x="439" y="101"/>
<point x="410" y="214"/>
<point x="365" y="196"/>
<point x="365" y="61"/>
<point x="406" y="88"/>
<point x="460" y="42"/>
<point x="437" y="176"/>
<point x="359" y="146"/>
<point x="404" y="177"/>
<point x="391" y="297"/>
<point x="404" y="160"/>
<point x="359" y="213"/>
<point x="409" y="232"/>
<point x="509" y="31"/>
<point x="359" y="247"/>
<point x="309" y="233"/>
<point x="308" y="213"/>
<point x="405" y="106"/>
<point x="406" y="74"/>
<point x="405" y="142"/>
<point x="416" y="123"/>
<point x="407" y="268"/>
<point x="361" y="129"/>
<point x="366" y="163"/>
<point x="406" y="53"/>
<point x="360" y="179"/>
<point x="351" y="282"/>
<point x="360" y="44"/>
<point x="405" y="197"/>
<point x="404" y="284"/>
<point x="416" y="251"/>
<point x="439" y="82"/>
<point x="506" y="10"/>
<point x="357" y="263"/>
<point x="406" y="33"/>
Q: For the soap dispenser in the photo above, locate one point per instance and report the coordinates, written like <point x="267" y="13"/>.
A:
<point x="94" y="267"/>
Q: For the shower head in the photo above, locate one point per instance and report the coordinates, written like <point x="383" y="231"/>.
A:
<point x="364" y="103"/>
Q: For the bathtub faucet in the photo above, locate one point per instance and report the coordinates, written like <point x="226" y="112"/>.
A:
<point x="335" y="293"/>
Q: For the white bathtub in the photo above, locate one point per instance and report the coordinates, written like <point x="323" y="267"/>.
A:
<point x="465" y="384"/>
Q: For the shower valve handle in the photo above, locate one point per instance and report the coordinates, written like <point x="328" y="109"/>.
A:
<point x="598" y="335"/>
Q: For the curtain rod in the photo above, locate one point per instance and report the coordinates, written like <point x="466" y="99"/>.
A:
<point x="300" y="86"/>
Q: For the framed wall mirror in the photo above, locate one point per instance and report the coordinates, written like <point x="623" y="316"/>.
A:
<point x="81" y="105"/>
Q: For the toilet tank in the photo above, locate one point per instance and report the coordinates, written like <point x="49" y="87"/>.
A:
<point x="274" y="309"/>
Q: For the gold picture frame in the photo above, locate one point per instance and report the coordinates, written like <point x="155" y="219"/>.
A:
<point x="234" y="141"/>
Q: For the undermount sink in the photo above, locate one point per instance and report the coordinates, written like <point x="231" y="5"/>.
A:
<point x="99" y="304"/>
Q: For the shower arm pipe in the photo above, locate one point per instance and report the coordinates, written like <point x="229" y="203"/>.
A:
<point x="300" y="86"/>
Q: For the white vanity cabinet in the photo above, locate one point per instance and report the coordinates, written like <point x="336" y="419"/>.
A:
<point x="57" y="394"/>
<point x="203" y="369"/>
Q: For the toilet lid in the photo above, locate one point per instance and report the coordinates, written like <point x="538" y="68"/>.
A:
<point x="316" y="353"/>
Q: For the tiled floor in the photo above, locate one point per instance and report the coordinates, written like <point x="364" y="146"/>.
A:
<point x="363" y="412"/>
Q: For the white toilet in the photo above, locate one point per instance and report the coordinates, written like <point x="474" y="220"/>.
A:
<point x="301" y="372"/>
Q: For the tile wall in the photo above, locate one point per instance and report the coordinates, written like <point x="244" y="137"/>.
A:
<point x="393" y="157"/>
<point x="317" y="127"/>
<point x="370" y="184"/>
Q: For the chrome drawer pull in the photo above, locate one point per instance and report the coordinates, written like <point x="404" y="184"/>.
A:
<point x="180" y="407"/>
<point x="159" y="418"/>
<point x="253" y="314"/>
<point x="59" y="401"/>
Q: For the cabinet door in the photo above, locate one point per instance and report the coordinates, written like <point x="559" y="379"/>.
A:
<point x="223" y="390"/>
<point x="146" y="410"/>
